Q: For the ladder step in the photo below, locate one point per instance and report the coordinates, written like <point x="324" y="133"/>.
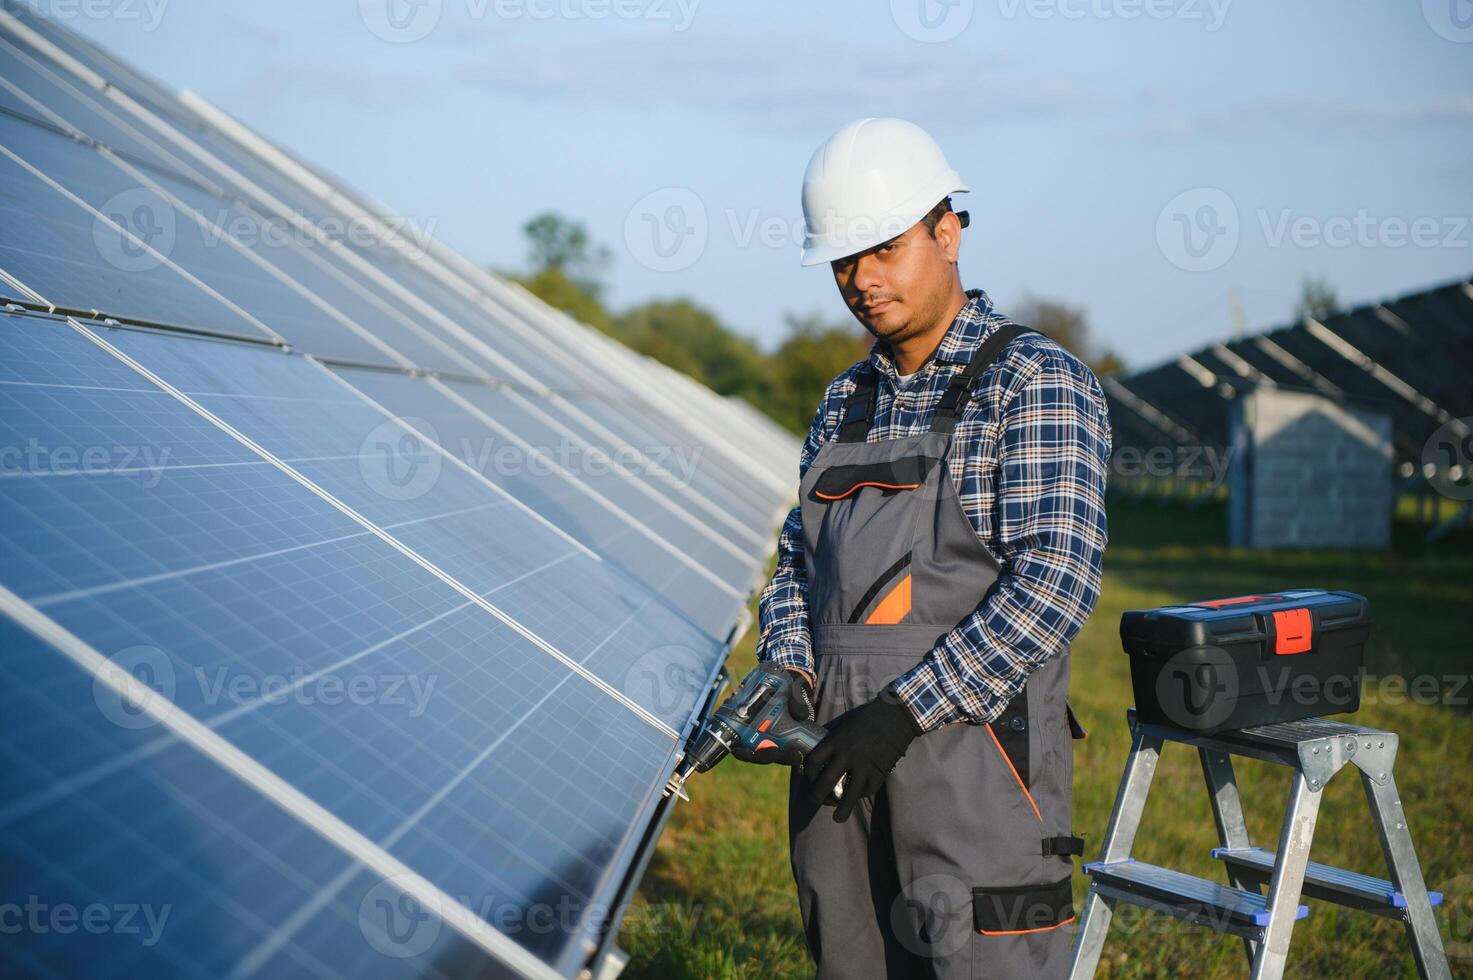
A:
<point x="1348" y="888"/>
<point x="1183" y="896"/>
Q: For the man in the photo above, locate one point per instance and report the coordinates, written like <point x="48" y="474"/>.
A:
<point x="945" y="550"/>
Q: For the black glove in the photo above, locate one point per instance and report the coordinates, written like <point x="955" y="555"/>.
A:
<point x="865" y="742"/>
<point x="800" y="706"/>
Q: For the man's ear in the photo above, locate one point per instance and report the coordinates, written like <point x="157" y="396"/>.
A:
<point x="949" y="235"/>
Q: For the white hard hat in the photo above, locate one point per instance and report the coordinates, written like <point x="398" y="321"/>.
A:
<point x="869" y="182"/>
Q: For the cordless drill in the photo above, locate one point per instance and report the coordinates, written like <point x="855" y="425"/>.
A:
<point x="755" y="717"/>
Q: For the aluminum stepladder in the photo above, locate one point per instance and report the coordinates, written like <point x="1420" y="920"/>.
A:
<point x="1314" y="749"/>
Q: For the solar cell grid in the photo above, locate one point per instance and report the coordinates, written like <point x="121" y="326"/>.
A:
<point x="714" y="475"/>
<point x="55" y="246"/>
<point x="32" y="88"/>
<point x="299" y="414"/>
<point x="644" y="457"/>
<point x="490" y="429"/>
<point x="398" y="769"/>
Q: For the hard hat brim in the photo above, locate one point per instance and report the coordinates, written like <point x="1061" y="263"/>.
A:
<point x="817" y="250"/>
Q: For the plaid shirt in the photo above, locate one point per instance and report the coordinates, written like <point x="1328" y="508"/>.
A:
<point x="1029" y="459"/>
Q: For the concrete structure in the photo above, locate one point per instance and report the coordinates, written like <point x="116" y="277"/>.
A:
<point x="1308" y="471"/>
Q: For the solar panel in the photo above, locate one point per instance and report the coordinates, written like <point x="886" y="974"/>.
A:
<point x="1441" y="321"/>
<point x="551" y="584"/>
<point x="710" y="473"/>
<point x="576" y="489"/>
<point x="47" y="242"/>
<point x="1407" y="357"/>
<point x="261" y="584"/>
<point x="482" y="324"/>
<point x="230" y="270"/>
<point x="298" y="677"/>
<point x="1251" y="351"/>
<point x="344" y="284"/>
<point x="1418" y="363"/>
<point x="35" y="91"/>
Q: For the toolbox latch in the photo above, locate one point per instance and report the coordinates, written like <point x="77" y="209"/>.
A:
<point x="1293" y="631"/>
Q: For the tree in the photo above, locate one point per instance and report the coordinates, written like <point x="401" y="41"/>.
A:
<point x="1316" y="299"/>
<point x="554" y="288"/>
<point x="1066" y="325"/>
<point x="810" y="356"/>
<point x="566" y="268"/>
<point x="690" y="338"/>
<point x="554" y="242"/>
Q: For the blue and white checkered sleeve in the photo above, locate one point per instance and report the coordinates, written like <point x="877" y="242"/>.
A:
<point x="1053" y="456"/>
<point x="782" y="609"/>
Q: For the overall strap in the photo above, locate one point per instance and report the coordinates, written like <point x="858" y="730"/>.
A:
<point x="859" y="407"/>
<point x="959" y="391"/>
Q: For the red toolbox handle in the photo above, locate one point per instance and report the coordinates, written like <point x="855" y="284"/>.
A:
<point x="1215" y="603"/>
<point x="1293" y="631"/>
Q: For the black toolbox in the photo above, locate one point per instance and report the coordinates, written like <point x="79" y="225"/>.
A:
<point x="1249" y="660"/>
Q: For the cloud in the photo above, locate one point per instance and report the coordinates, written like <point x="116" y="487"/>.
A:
<point x="264" y="33"/>
<point x="1318" y="116"/>
<point x="355" y="86"/>
<point x="750" y="79"/>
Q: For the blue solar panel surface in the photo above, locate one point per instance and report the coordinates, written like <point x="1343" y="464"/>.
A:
<point x="472" y="755"/>
<point x="578" y="487"/>
<point x="363" y="640"/>
<point x="555" y="587"/>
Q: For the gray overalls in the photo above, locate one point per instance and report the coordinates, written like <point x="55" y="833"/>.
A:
<point x="960" y="867"/>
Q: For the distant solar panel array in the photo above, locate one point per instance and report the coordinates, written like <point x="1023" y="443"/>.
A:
<point x="353" y="604"/>
<point x="1411" y="357"/>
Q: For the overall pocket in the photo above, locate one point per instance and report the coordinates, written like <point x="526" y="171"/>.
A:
<point x="1015" y="910"/>
<point x="905" y="473"/>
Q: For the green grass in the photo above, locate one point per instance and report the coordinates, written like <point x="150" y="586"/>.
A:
<point x="718" y="899"/>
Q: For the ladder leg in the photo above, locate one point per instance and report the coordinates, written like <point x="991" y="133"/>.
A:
<point x="1406" y="875"/>
<point x="1288" y="878"/>
<point x="1130" y="803"/>
<point x="1227" y="813"/>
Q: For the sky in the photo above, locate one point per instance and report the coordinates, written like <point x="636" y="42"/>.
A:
<point x="1151" y="162"/>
